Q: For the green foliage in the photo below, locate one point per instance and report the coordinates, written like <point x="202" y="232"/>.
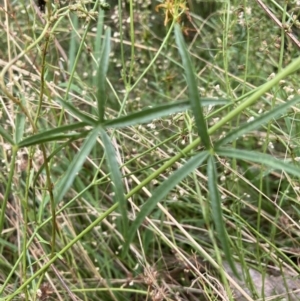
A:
<point x="194" y="96"/>
<point x="194" y="165"/>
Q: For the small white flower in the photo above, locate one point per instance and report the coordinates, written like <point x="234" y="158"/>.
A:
<point x="248" y="10"/>
<point x="271" y="76"/>
<point x="151" y="126"/>
<point x="136" y="267"/>
<point x="288" y="89"/>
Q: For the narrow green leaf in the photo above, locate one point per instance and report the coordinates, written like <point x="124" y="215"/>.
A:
<point x="101" y="75"/>
<point x="40" y="138"/>
<point x="67" y="180"/>
<point x="4" y="133"/>
<point x="72" y="86"/>
<point x="73" y="42"/>
<point x="257" y="122"/>
<point x="289" y="126"/>
<point x="81" y="116"/>
<point x="259" y="158"/>
<point x="207" y="101"/>
<point x="162" y="191"/>
<point x="98" y="39"/>
<point x="147" y="115"/>
<point x="116" y="178"/>
<point x="20" y="126"/>
<point x="52" y="135"/>
<point x="215" y="202"/>
<point x="192" y="88"/>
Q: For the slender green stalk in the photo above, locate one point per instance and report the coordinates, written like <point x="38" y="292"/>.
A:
<point x="8" y="188"/>
<point x="47" y="167"/>
<point x="132" y="39"/>
<point x="122" y="53"/>
<point x="282" y="42"/>
<point x="226" y="21"/>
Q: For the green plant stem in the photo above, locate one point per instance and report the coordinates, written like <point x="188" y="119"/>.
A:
<point x="282" y="37"/>
<point x="121" y="41"/>
<point x="47" y="168"/>
<point x="225" y="46"/>
<point x="8" y="187"/>
<point x="132" y="34"/>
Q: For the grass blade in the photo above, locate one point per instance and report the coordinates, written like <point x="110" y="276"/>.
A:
<point x="67" y="180"/>
<point x="215" y="201"/>
<point x="256" y="123"/>
<point x="81" y="116"/>
<point x="73" y="42"/>
<point x="52" y="135"/>
<point x="160" y="111"/>
<point x="192" y="88"/>
<point x="162" y="191"/>
<point x="101" y="75"/>
<point x="256" y="157"/>
<point x="20" y="126"/>
<point x="147" y="115"/>
<point x="116" y="178"/>
<point x="6" y="136"/>
<point x="98" y="39"/>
